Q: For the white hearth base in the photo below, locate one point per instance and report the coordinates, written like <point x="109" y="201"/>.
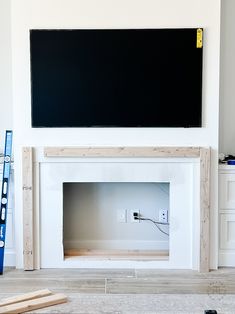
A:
<point x="182" y="206"/>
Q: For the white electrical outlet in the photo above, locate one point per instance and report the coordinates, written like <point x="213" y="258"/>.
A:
<point x="163" y="215"/>
<point x="121" y="215"/>
<point x="131" y="215"/>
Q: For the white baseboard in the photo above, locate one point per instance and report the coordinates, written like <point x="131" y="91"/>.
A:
<point x="9" y="258"/>
<point x="116" y="245"/>
<point x="227" y="258"/>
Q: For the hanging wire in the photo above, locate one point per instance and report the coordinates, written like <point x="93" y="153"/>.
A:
<point x="156" y="223"/>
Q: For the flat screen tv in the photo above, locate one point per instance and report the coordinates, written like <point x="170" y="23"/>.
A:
<point x="116" y="78"/>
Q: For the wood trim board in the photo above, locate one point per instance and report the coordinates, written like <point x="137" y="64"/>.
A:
<point x="25" y="297"/>
<point x="28" y="208"/>
<point x="202" y="153"/>
<point x="122" y="151"/>
<point x="204" y="209"/>
<point x="32" y="301"/>
<point x="128" y="255"/>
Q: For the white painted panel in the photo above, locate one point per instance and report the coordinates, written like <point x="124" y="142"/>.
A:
<point x="227" y="78"/>
<point x="231" y="231"/>
<point x="227" y="216"/>
<point x="227" y="231"/>
<point x="10" y="232"/>
<point x="10" y="258"/>
<point x="27" y="14"/>
<point x="6" y="116"/>
<point x="231" y="191"/>
<point x="227" y="191"/>
<point x="115" y="14"/>
<point x="179" y="175"/>
<point x="226" y="258"/>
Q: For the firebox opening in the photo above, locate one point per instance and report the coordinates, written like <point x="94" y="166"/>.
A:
<point x="114" y="220"/>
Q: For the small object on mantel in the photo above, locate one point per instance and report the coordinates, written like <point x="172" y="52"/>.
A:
<point x="210" y="312"/>
<point x="226" y="159"/>
<point x="31" y="301"/>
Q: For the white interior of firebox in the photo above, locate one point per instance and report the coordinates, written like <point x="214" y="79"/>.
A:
<point x="98" y="220"/>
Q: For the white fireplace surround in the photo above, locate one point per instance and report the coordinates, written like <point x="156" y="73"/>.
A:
<point x="185" y="168"/>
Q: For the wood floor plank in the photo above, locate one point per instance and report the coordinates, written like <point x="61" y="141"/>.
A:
<point x="168" y="286"/>
<point x="11" y="285"/>
<point x="79" y="273"/>
<point x="143" y="304"/>
<point x="151" y="291"/>
<point x="164" y="273"/>
<point x="115" y="281"/>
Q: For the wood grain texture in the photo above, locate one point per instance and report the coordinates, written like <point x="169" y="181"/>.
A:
<point x="35" y="304"/>
<point x="36" y="208"/>
<point x="122" y="151"/>
<point x="105" y="281"/>
<point x="59" y="284"/>
<point x="28" y="219"/>
<point x="15" y="275"/>
<point x="204" y="264"/>
<point x="148" y="255"/>
<point x="25" y="297"/>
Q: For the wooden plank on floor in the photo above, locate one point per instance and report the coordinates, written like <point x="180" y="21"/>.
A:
<point x="25" y="297"/>
<point x="35" y="304"/>
<point x="27" y="160"/>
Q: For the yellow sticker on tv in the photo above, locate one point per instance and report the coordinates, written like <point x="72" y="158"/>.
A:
<point x="199" y="38"/>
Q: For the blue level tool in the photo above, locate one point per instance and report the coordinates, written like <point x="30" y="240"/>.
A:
<point x="4" y="199"/>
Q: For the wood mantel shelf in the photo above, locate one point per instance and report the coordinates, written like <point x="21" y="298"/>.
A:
<point x="203" y="153"/>
<point x="92" y="151"/>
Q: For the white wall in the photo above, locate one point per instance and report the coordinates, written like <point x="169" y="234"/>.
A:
<point x="5" y="70"/>
<point x="6" y="118"/>
<point x="28" y="14"/>
<point x="227" y="78"/>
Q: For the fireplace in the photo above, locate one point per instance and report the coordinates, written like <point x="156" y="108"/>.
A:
<point x="118" y="220"/>
<point x="185" y="170"/>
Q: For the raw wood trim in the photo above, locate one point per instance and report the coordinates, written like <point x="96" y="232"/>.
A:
<point x="34" y="304"/>
<point x="204" y="265"/>
<point x="27" y="187"/>
<point x="117" y="255"/>
<point x="185" y="152"/>
<point x="89" y="252"/>
<point x="122" y="151"/>
<point x="36" y="206"/>
<point x="25" y="297"/>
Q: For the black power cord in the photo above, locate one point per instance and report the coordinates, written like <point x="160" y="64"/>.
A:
<point x="156" y="223"/>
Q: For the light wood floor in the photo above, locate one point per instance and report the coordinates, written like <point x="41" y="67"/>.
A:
<point x="95" y="285"/>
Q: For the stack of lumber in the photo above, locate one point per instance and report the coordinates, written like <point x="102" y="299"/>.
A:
<point x="31" y="301"/>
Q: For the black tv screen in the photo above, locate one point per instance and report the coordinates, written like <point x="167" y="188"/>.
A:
<point x="116" y="78"/>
